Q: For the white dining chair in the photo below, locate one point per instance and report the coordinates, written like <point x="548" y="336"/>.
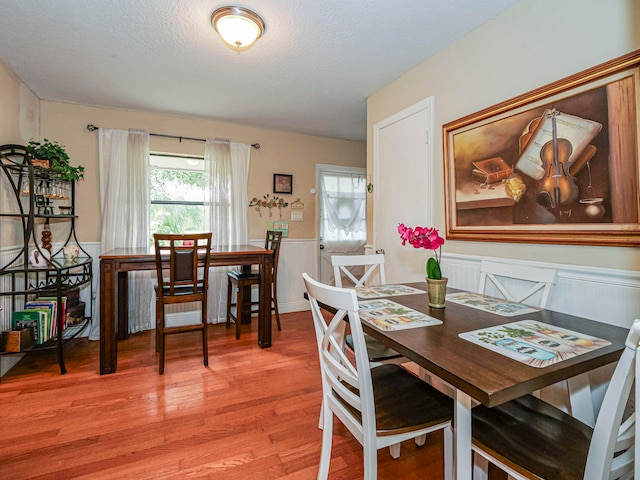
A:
<point x="533" y="286"/>
<point x="518" y="283"/>
<point x="360" y="270"/>
<point x="528" y="438"/>
<point x="380" y="406"/>
<point x="357" y="271"/>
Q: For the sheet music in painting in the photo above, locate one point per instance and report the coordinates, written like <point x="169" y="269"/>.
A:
<point x="579" y="131"/>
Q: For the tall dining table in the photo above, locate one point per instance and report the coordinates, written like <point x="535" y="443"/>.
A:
<point x="114" y="268"/>
<point x="480" y="374"/>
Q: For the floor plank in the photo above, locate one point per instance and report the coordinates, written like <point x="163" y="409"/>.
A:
<point x="252" y="414"/>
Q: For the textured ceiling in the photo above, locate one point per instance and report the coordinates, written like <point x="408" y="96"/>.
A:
<point x="311" y="72"/>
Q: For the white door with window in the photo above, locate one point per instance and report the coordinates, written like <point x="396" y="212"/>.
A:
<point x="342" y="213"/>
<point x="403" y="187"/>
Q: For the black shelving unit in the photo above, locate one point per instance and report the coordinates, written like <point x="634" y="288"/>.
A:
<point x="33" y="196"/>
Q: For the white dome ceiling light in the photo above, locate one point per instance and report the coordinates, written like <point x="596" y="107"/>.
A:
<point x="237" y="26"/>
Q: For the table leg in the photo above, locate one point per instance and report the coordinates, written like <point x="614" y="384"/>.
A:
<point x="462" y="436"/>
<point x="580" y="398"/>
<point x="108" y="342"/>
<point x="243" y="312"/>
<point x="123" y="305"/>
<point x="264" y="318"/>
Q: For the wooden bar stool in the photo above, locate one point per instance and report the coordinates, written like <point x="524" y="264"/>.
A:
<point x="241" y="281"/>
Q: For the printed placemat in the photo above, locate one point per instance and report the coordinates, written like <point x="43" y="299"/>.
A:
<point x="378" y="291"/>
<point x="534" y="343"/>
<point x="389" y="315"/>
<point x="499" y="306"/>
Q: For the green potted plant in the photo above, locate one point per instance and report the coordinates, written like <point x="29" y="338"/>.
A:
<point x="58" y="159"/>
<point x="430" y="239"/>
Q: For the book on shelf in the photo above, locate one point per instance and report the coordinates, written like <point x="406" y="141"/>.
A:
<point x="28" y="318"/>
<point x="47" y="328"/>
<point x="63" y="307"/>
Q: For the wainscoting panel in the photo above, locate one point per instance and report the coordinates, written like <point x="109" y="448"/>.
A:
<point x="5" y="283"/>
<point x="604" y="295"/>
<point x="296" y="257"/>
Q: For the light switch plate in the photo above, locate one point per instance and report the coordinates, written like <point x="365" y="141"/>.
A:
<point x="296" y="216"/>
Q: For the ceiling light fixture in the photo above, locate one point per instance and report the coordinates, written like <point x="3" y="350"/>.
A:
<point x="237" y="26"/>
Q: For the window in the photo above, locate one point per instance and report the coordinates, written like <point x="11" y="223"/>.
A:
<point x="177" y="194"/>
<point x="343" y="207"/>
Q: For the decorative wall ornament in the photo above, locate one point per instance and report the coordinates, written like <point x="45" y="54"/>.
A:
<point x="269" y="203"/>
<point x="297" y="205"/>
<point x="282" y="183"/>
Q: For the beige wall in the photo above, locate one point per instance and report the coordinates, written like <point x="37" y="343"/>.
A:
<point x="19" y="121"/>
<point x="19" y="109"/>
<point x="532" y="44"/>
<point x="280" y="152"/>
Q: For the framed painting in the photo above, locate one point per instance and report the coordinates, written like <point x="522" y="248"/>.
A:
<point x="282" y="183"/>
<point x="555" y="165"/>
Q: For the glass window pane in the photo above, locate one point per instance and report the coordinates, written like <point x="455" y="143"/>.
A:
<point x="176" y="179"/>
<point x="177" y="218"/>
<point x="177" y="185"/>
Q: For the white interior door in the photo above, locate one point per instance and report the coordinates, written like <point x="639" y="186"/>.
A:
<point x="334" y="241"/>
<point x="403" y="187"/>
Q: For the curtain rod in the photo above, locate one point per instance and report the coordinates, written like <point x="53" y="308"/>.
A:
<point x="91" y="128"/>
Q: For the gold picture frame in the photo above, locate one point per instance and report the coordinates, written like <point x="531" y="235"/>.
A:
<point x="556" y="165"/>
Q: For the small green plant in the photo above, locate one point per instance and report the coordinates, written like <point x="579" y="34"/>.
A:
<point x="57" y="155"/>
<point x="433" y="269"/>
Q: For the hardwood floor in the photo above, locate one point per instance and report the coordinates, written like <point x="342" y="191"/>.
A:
<point x="252" y="414"/>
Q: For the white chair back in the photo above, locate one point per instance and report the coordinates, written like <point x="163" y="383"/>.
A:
<point x="612" y="449"/>
<point x="542" y="279"/>
<point x="343" y="265"/>
<point x="338" y="372"/>
<point x="532" y="285"/>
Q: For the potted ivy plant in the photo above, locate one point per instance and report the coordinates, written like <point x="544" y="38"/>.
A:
<point x="58" y="159"/>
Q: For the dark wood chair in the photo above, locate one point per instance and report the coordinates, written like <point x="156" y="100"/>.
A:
<point x="241" y="281"/>
<point x="182" y="264"/>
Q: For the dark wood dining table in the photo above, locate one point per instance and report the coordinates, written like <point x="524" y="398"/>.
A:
<point x="114" y="268"/>
<point x="480" y="374"/>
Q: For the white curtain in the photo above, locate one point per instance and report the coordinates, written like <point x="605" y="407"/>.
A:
<point x="345" y="202"/>
<point x="124" y="196"/>
<point x="226" y="195"/>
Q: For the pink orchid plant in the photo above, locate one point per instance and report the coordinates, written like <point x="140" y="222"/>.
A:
<point x="425" y="237"/>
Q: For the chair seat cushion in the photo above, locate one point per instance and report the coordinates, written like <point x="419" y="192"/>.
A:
<point x="534" y="435"/>
<point x="376" y="350"/>
<point x="241" y="275"/>
<point x="405" y="403"/>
